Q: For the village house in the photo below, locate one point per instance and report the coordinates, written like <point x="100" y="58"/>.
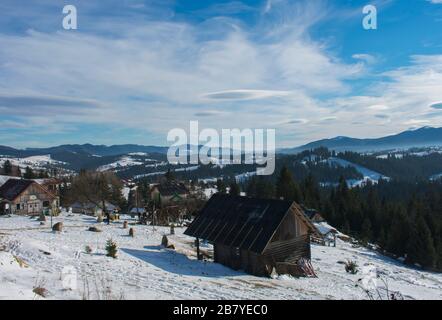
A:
<point x="255" y="235"/>
<point x="327" y="234"/>
<point x="27" y="197"/>
<point x="53" y="185"/>
<point x="137" y="210"/>
<point x="169" y="192"/>
<point x="313" y="215"/>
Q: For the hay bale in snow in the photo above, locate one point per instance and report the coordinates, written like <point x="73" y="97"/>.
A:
<point x="58" y="227"/>
<point x="94" y="229"/>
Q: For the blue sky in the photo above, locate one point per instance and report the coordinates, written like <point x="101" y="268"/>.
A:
<point x="136" y="69"/>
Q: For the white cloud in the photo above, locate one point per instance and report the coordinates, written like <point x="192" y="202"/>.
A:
<point x="154" y="73"/>
<point x="245" y="94"/>
<point x="160" y="74"/>
<point x="367" y="58"/>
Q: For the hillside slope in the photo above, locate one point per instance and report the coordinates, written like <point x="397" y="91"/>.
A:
<point x="145" y="270"/>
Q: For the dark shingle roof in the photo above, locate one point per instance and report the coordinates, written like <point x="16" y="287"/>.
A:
<point x="242" y="222"/>
<point x="172" y="188"/>
<point x="13" y="188"/>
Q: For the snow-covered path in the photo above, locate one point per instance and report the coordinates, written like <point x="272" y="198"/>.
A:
<point x="145" y="270"/>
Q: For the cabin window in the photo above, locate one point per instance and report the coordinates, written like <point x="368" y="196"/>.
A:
<point x="18" y="206"/>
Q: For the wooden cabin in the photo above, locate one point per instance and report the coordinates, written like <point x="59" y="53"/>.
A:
<point x="255" y="235"/>
<point x="26" y="197"/>
<point x="169" y="192"/>
<point x="313" y="215"/>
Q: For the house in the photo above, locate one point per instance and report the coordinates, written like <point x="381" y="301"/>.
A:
<point x="19" y="196"/>
<point x="53" y="185"/>
<point x="255" y="235"/>
<point x="168" y="192"/>
<point x="137" y="211"/>
<point x="93" y="209"/>
<point x="313" y="215"/>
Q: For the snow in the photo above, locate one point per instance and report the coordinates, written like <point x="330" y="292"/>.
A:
<point x="324" y="228"/>
<point x="436" y="177"/>
<point x="145" y="270"/>
<point x="141" y="154"/>
<point x="244" y="176"/>
<point x="125" y="192"/>
<point x="209" y="192"/>
<point x="191" y="168"/>
<point x="15" y="279"/>
<point x="395" y="155"/>
<point x="368" y="175"/>
<point x="3" y="179"/>
<point x="123" y="162"/>
<point x="35" y="162"/>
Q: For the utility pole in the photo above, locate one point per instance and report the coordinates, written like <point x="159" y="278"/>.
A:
<point x="198" y="256"/>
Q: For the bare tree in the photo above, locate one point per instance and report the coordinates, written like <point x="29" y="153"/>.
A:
<point x="96" y="188"/>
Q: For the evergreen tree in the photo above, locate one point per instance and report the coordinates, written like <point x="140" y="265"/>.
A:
<point x="311" y="192"/>
<point x="399" y="232"/>
<point x="29" y="174"/>
<point x="261" y="188"/>
<point x="220" y="186"/>
<point x="42" y="174"/>
<point x="7" y="168"/>
<point x="169" y="175"/>
<point x="111" y="248"/>
<point x="264" y="189"/>
<point x="286" y="188"/>
<point x="234" y="188"/>
<point x="420" y="246"/>
<point x="366" y="230"/>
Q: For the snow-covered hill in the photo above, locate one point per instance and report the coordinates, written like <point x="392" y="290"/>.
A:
<point x="368" y="175"/>
<point x="34" y="162"/>
<point x="145" y="270"/>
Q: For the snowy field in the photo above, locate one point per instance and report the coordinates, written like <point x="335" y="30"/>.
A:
<point x="33" y="256"/>
<point x="35" y="162"/>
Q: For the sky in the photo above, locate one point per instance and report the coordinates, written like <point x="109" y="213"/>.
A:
<point x="133" y="70"/>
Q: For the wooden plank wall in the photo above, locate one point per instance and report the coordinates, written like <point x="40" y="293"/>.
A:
<point x="288" y="250"/>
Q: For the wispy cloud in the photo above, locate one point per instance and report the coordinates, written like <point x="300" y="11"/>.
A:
<point x="245" y="94"/>
<point x="267" y="70"/>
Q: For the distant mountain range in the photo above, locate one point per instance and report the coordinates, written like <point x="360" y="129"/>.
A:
<point x="90" y="156"/>
<point x="423" y="137"/>
<point x="85" y="156"/>
<point x="85" y="149"/>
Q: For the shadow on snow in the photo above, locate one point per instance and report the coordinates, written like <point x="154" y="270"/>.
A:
<point x="179" y="263"/>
